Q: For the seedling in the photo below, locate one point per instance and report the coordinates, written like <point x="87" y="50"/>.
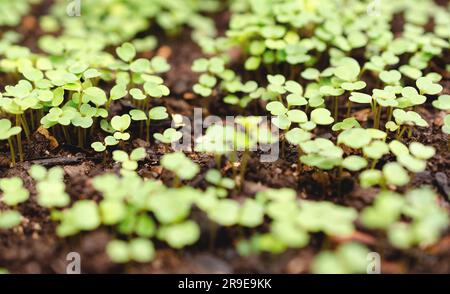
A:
<point x="50" y="186"/>
<point x="129" y="162"/>
<point x="102" y="146"/>
<point x="321" y="153"/>
<point x="120" y="124"/>
<point x="9" y="219"/>
<point x="214" y="177"/>
<point x="6" y="132"/>
<point x="427" y="219"/>
<point x="169" y="136"/>
<point x="156" y="113"/>
<point x="443" y="102"/>
<point x="181" y="166"/>
<point x="140" y="250"/>
<point x="13" y="191"/>
<point x="350" y="258"/>
<point x="82" y="216"/>
<point x="180" y="235"/>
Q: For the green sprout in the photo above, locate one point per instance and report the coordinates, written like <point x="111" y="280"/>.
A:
<point x="169" y="136"/>
<point x="9" y="219"/>
<point x="82" y="216"/>
<point x="321" y="153"/>
<point x="156" y="113"/>
<point x="6" y="132"/>
<point x="443" y="102"/>
<point x="180" y="165"/>
<point x="426" y="219"/>
<point x="13" y="191"/>
<point x="140" y="250"/>
<point x="350" y="258"/>
<point x="120" y="124"/>
<point x="50" y="186"/>
<point x="214" y="177"/>
<point x="129" y="162"/>
<point x="181" y="234"/>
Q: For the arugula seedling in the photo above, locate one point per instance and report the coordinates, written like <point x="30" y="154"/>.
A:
<point x="181" y="234"/>
<point x="443" y="102"/>
<point x="156" y="113"/>
<point x="214" y="177"/>
<point x="179" y="164"/>
<point x="50" y="186"/>
<point x="6" y="132"/>
<point x="129" y="162"/>
<point x="9" y="219"/>
<point x="169" y="136"/>
<point x="350" y="258"/>
<point x="84" y="215"/>
<point x="13" y="191"/>
<point x="120" y="124"/>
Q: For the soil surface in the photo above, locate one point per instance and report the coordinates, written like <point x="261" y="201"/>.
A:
<point x="33" y="247"/>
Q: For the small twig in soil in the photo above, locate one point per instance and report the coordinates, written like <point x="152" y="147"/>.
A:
<point x="58" y="161"/>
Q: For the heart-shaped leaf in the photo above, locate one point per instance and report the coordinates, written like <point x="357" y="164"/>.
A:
<point x="321" y="116"/>
<point x="158" y="113"/>
<point x="276" y="108"/>
<point x="126" y="52"/>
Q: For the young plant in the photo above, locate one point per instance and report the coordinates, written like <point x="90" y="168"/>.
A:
<point x="349" y="258"/>
<point x="50" y="186"/>
<point x="9" y="219"/>
<point x="156" y="113"/>
<point x="82" y="216"/>
<point x="139" y="250"/>
<point x="13" y="191"/>
<point x="181" y="166"/>
<point x="169" y="136"/>
<point x="129" y="162"/>
<point x="6" y="132"/>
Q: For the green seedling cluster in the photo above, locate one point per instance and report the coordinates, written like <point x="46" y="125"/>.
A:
<point x="349" y="99"/>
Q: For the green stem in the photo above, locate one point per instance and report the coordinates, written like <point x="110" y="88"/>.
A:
<point x="13" y="153"/>
<point x="147" y="136"/>
<point x="218" y="159"/>
<point x="24" y="123"/>
<point x="19" y="139"/>
<point x="66" y="135"/>
<point x="336" y="108"/>
<point x="349" y="108"/>
<point x="409" y="132"/>
<point x="390" y="110"/>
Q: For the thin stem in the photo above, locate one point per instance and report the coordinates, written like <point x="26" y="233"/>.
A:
<point x="13" y="153"/>
<point x="33" y="125"/>
<point x="218" y="159"/>
<point x="349" y="108"/>
<point x="66" y="135"/>
<point x="336" y="108"/>
<point x="147" y="136"/>
<point x="19" y="139"/>
<point x="390" y="110"/>
<point x="24" y="123"/>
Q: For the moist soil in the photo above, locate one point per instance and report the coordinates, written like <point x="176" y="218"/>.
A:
<point x="33" y="247"/>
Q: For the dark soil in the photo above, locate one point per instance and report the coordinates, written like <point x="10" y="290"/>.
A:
<point x="33" y="247"/>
